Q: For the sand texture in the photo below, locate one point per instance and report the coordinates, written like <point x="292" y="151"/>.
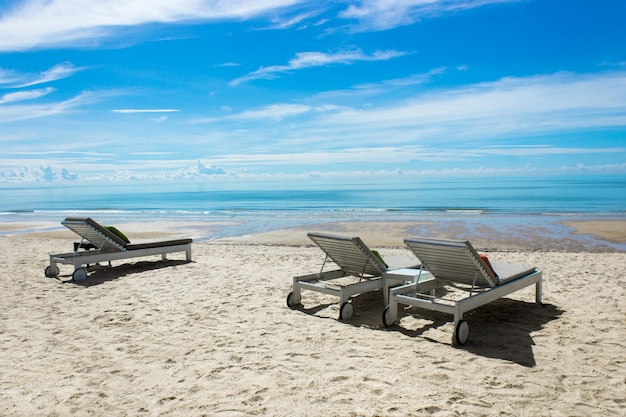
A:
<point x="214" y="337"/>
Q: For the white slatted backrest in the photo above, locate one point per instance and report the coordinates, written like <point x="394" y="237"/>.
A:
<point x="451" y="260"/>
<point x="350" y="254"/>
<point x="94" y="233"/>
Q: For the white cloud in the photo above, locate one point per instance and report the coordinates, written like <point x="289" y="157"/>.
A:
<point x="304" y="60"/>
<point x="57" y="72"/>
<point x="205" y="171"/>
<point x="12" y="113"/>
<point x="474" y="125"/>
<point x="414" y="79"/>
<point x="25" y="95"/>
<point x="397" y="155"/>
<point x="227" y="64"/>
<point x="381" y="15"/>
<point x="282" y="23"/>
<point x="13" y="79"/>
<point x="273" y="112"/>
<point x="546" y="151"/>
<point x="45" y="23"/>
<point x="276" y="112"/>
<point x="34" y="24"/>
<point x="508" y="106"/>
<point x="9" y="76"/>
<point x="131" y="111"/>
<point x="486" y="112"/>
<point x="43" y="173"/>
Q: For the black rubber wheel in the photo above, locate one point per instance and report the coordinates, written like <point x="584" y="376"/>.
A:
<point x="79" y="275"/>
<point x="346" y="311"/>
<point x="291" y="300"/>
<point x="461" y="333"/>
<point x="51" y="271"/>
<point x="386" y="319"/>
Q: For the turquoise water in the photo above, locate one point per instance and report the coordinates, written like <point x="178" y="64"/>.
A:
<point x="519" y="202"/>
<point x="589" y="194"/>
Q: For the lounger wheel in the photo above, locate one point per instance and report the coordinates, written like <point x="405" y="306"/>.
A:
<point x="346" y="311"/>
<point x="79" y="275"/>
<point x="388" y="319"/>
<point x="461" y="332"/>
<point x="292" y="300"/>
<point x="51" y="271"/>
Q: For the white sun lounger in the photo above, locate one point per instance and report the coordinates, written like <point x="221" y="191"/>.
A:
<point x="366" y="272"/>
<point x="100" y="244"/>
<point x="457" y="264"/>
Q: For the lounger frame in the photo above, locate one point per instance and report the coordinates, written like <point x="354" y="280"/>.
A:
<point x="105" y="246"/>
<point x="458" y="263"/>
<point x="355" y="260"/>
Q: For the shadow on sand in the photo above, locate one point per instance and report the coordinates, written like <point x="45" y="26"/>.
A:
<point x="103" y="274"/>
<point x="500" y="330"/>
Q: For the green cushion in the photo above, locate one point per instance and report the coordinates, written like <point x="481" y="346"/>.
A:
<point x="117" y="233"/>
<point x="380" y="258"/>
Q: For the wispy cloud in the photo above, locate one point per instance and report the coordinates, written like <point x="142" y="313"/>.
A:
<point x="25" y="95"/>
<point x="227" y="64"/>
<point x="159" y="119"/>
<point x="131" y="111"/>
<point x="14" y="112"/>
<point x="398" y="154"/>
<point x="515" y="106"/>
<point x="286" y="22"/>
<point x="304" y="60"/>
<point x="37" y="24"/>
<point x="9" y="77"/>
<point x="44" y="23"/>
<point x="382" y="15"/>
<point x="15" y="79"/>
<point x="411" y="80"/>
<point x="57" y="72"/>
<point x="488" y="111"/>
<point x="273" y="112"/>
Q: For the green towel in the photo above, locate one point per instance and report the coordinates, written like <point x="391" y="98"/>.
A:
<point x="117" y="233"/>
<point x="380" y="258"/>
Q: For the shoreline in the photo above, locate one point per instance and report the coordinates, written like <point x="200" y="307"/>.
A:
<point x="579" y="235"/>
<point x="607" y="236"/>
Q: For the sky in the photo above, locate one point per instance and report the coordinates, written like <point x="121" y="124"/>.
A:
<point x="155" y="91"/>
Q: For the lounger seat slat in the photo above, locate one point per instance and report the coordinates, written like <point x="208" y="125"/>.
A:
<point x="158" y="244"/>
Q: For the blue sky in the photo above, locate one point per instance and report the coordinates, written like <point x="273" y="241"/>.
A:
<point x="120" y="91"/>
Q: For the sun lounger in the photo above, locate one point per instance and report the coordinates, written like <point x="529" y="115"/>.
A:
<point x="102" y="244"/>
<point x="360" y="270"/>
<point x="457" y="264"/>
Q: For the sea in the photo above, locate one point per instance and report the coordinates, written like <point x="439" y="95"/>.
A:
<point x="509" y="203"/>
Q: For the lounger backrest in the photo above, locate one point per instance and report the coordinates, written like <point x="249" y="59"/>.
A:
<point x="451" y="260"/>
<point x="350" y="254"/>
<point x="97" y="235"/>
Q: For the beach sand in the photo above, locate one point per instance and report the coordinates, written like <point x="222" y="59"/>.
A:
<point x="214" y="337"/>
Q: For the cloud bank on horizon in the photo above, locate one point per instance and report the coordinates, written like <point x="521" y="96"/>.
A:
<point x="125" y="91"/>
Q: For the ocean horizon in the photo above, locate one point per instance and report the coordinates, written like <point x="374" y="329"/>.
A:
<point x="512" y="202"/>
